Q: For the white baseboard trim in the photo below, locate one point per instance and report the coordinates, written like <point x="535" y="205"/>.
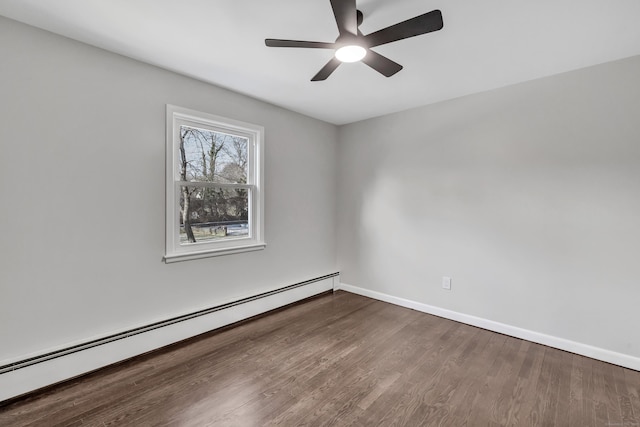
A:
<point x="597" y="353"/>
<point x="26" y="379"/>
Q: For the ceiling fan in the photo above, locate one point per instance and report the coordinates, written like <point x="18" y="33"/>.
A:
<point x="353" y="46"/>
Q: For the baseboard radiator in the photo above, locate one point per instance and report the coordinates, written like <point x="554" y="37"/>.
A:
<point x="23" y="376"/>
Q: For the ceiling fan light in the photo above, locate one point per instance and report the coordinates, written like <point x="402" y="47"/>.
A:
<point x="351" y="53"/>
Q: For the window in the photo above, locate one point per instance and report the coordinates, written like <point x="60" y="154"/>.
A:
<point x="214" y="185"/>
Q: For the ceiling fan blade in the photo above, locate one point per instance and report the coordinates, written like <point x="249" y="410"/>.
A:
<point x="426" y="23"/>
<point x="298" y="43"/>
<point x="346" y="15"/>
<point x="381" y="64"/>
<point x="326" y="70"/>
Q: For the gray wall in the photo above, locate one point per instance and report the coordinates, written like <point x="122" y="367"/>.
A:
<point x="527" y="196"/>
<point x="82" y="134"/>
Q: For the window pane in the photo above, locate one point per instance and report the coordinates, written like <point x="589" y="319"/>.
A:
<point x="207" y="156"/>
<point x="208" y="214"/>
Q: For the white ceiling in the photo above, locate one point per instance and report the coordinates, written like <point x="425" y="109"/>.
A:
<point x="483" y="45"/>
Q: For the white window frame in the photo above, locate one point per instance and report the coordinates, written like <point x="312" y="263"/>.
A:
<point x="174" y="251"/>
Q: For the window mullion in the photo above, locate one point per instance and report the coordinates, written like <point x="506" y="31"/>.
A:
<point x="213" y="185"/>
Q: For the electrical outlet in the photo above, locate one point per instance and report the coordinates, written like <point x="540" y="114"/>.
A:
<point x="446" y="283"/>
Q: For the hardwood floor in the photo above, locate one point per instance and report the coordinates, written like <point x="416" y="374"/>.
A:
<point x="345" y="360"/>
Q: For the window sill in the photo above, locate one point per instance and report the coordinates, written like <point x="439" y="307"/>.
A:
<point x="171" y="258"/>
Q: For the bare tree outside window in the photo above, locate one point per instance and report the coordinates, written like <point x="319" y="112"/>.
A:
<point x="209" y="212"/>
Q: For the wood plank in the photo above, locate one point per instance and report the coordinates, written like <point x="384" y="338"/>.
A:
<point x="577" y="414"/>
<point x="622" y="390"/>
<point x="521" y="403"/>
<point x="631" y="379"/>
